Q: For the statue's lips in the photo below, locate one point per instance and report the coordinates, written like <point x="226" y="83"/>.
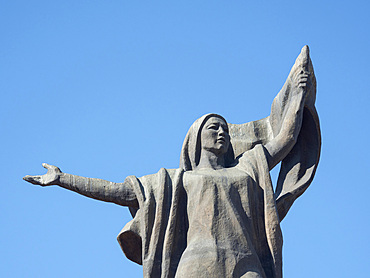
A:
<point x="221" y="140"/>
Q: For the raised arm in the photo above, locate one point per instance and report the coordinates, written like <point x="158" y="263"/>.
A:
<point x="291" y="133"/>
<point x="283" y="142"/>
<point x="118" y="193"/>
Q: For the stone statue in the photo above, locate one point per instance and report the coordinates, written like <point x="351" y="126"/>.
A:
<point x="217" y="215"/>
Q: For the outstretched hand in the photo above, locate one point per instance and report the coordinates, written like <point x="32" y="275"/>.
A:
<point x="50" y="178"/>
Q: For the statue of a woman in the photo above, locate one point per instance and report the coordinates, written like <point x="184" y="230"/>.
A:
<point x="218" y="215"/>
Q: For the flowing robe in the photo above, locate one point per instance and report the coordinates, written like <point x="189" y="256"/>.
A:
<point x="214" y="223"/>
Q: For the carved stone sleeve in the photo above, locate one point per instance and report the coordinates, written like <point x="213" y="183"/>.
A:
<point x="118" y="193"/>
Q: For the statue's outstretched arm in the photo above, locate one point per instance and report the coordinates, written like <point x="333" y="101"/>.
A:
<point x="283" y="142"/>
<point x="118" y="193"/>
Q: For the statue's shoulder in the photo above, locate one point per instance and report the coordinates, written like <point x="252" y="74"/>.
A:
<point x="162" y="173"/>
<point x="249" y="161"/>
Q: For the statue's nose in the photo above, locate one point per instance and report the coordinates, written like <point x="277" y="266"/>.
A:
<point x="222" y="132"/>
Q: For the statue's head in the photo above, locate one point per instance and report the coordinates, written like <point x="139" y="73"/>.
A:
<point x="214" y="136"/>
<point x="209" y="132"/>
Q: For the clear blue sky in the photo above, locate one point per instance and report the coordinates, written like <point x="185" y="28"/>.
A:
<point x="108" y="89"/>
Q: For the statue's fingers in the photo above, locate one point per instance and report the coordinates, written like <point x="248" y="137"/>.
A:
<point x="299" y="73"/>
<point x="303" y="80"/>
<point x="48" y="166"/>
<point x="51" y="167"/>
<point x="34" y="179"/>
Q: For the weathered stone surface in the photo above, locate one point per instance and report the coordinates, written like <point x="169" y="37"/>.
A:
<point x="217" y="215"/>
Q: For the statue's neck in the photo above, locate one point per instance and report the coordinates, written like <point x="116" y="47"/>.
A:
<point x="210" y="160"/>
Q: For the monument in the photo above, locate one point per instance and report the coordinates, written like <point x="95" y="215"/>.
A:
<point x="218" y="215"/>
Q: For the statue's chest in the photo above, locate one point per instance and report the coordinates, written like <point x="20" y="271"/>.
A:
<point x="226" y="182"/>
<point x="215" y="194"/>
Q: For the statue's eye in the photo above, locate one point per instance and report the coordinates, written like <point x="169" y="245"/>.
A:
<point x="213" y="126"/>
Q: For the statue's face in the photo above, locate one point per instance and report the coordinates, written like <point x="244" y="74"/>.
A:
<point x="215" y="136"/>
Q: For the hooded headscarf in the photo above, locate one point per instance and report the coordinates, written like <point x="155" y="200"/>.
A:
<point x="191" y="148"/>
